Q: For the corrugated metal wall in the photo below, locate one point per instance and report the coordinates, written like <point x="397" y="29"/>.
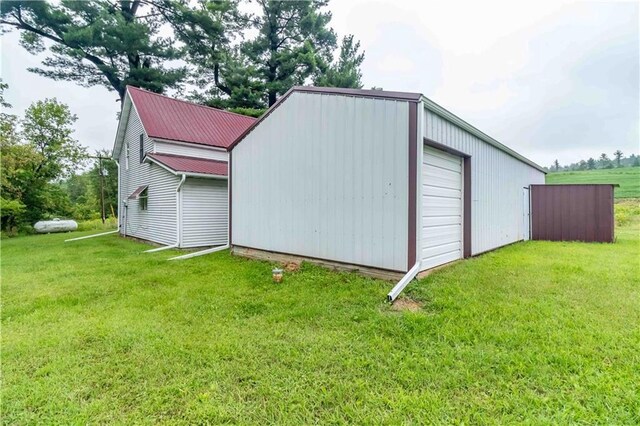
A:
<point x="497" y="183"/>
<point x="190" y="151"/>
<point x="325" y="176"/>
<point x="572" y="213"/>
<point x="158" y="223"/>
<point x="204" y="212"/>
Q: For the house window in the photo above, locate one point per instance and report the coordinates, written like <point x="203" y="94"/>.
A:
<point x="143" y="199"/>
<point x="141" y="148"/>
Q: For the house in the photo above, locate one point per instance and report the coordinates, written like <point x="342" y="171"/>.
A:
<point x="379" y="180"/>
<point x="172" y="158"/>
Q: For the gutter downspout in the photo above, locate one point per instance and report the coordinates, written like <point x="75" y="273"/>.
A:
<point x="200" y="253"/>
<point x="118" y="197"/>
<point x="404" y="281"/>
<point x="179" y="211"/>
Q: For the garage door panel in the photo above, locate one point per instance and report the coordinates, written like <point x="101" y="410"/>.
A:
<point x="440" y="177"/>
<point x="441" y="162"/>
<point x="436" y="191"/>
<point x="437" y="260"/>
<point x="441" y="220"/>
<point x="442" y="208"/>
<point x="441" y="235"/>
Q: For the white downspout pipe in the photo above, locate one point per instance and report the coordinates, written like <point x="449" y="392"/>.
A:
<point x="118" y="197"/>
<point x="179" y="211"/>
<point x="200" y="253"/>
<point x="404" y="281"/>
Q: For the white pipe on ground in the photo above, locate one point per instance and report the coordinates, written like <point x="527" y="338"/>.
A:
<point x="404" y="281"/>
<point x="200" y="253"/>
<point x="161" y="248"/>
<point x="91" y="236"/>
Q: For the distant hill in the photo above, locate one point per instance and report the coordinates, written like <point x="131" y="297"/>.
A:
<point x="627" y="177"/>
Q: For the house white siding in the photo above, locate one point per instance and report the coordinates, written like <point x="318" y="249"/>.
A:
<point x="204" y="212"/>
<point x="158" y="222"/>
<point x="497" y="181"/>
<point x="326" y="176"/>
<point x="192" y="150"/>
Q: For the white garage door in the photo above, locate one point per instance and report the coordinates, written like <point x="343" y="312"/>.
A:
<point x="441" y="208"/>
<point x="204" y="212"/>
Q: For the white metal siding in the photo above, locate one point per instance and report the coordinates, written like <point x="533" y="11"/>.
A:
<point x="190" y="151"/>
<point x="325" y="176"/>
<point x="497" y="180"/>
<point x="158" y="222"/>
<point x="204" y="212"/>
<point x="441" y="239"/>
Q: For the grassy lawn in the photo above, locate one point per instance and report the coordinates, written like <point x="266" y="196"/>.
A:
<point x="538" y="332"/>
<point x="627" y="177"/>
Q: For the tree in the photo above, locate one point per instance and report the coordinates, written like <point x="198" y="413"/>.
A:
<point x="591" y="164"/>
<point x="556" y="165"/>
<point x="636" y="161"/>
<point x="604" y="161"/>
<point x="582" y="165"/>
<point x="293" y="42"/>
<point x="47" y="127"/>
<point x="100" y="42"/>
<point x="222" y="74"/>
<point x="346" y="72"/>
<point x="618" y="154"/>
<point x="34" y="158"/>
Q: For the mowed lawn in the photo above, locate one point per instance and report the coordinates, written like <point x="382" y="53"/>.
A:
<point x="627" y="177"/>
<point x="97" y="332"/>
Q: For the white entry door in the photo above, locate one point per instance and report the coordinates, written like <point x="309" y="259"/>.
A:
<point x="526" y="216"/>
<point x="442" y="208"/>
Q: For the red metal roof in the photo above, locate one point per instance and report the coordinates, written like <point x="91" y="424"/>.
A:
<point x="136" y="194"/>
<point x="179" y="163"/>
<point x="173" y="119"/>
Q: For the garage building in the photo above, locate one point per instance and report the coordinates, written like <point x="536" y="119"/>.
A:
<point x="376" y="179"/>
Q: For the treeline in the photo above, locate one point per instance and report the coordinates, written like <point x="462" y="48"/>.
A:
<point x="603" y="162"/>
<point x="239" y="55"/>
<point x="235" y="54"/>
<point x="43" y="169"/>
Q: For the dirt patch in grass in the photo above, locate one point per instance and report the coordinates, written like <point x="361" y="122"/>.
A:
<point x="406" y="304"/>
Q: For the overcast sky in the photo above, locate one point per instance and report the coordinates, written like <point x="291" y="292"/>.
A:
<point x="557" y="79"/>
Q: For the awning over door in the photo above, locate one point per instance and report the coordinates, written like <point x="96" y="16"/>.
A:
<point x="136" y="194"/>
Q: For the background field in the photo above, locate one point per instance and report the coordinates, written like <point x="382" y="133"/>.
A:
<point x="627" y="177"/>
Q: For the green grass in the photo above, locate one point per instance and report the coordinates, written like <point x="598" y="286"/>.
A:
<point x="538" y="332"/>
<point x="627" y="177"/>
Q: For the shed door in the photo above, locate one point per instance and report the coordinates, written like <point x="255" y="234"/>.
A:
<point x="442" y="210"/>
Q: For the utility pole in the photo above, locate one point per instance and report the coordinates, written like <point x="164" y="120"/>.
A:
<point x="101" y="189"/>
<point x="101" y="171"/>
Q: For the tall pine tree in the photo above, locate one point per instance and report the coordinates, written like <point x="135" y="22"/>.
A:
<point x="100" y="42"/>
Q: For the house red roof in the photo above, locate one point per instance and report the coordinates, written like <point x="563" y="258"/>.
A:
<point x="179" y="163"/>
<point x="173" y="119"/>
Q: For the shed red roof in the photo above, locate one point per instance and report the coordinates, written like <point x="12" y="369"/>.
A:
<point x="173" y="119"/>
<point x="179" y="163"/>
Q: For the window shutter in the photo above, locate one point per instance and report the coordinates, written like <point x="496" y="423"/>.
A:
<point x="141" y="148"/>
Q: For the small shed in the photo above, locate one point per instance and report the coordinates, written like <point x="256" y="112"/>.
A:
<point x="573" y="212"/>
<point x="378" y="180"/>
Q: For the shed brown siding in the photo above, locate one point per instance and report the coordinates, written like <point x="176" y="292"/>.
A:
<point x="572" y="213"/>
